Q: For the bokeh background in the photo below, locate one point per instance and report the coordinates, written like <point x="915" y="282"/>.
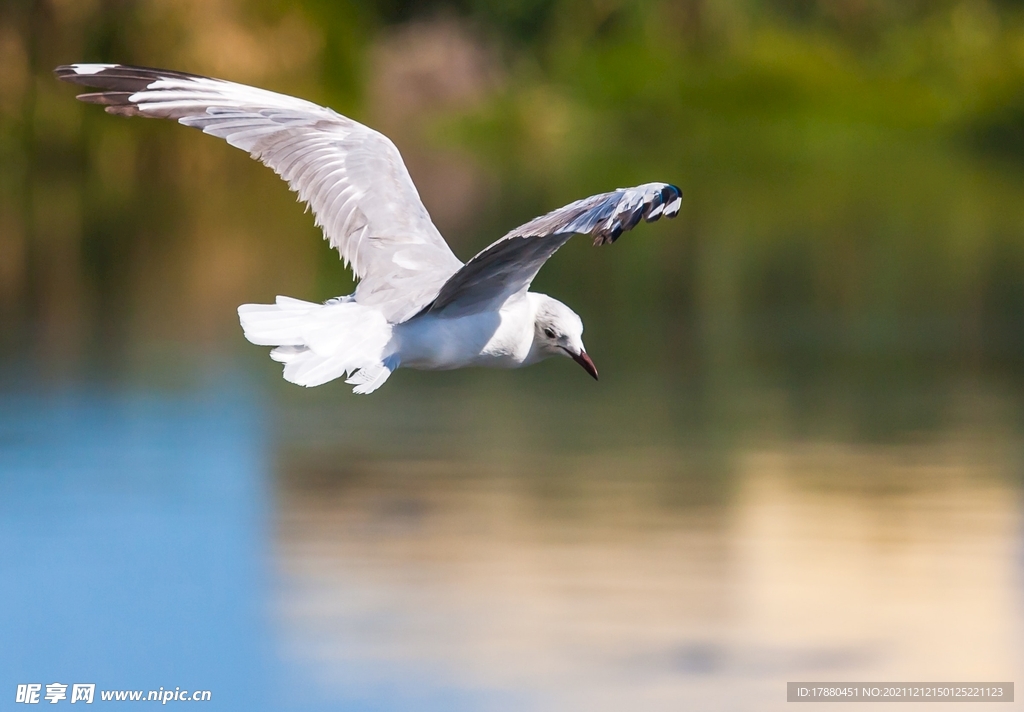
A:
<point x="804" y="458"/>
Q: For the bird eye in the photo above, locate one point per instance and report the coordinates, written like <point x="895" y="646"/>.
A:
<point x="549" y="332"/>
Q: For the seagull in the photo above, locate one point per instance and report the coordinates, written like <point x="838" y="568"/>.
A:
<point x="416" y="304"/>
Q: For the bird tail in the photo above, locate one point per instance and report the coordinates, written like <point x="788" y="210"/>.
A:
<point x="320" y="342"/>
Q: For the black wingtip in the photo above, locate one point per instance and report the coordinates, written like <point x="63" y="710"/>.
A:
<point x="84" y="73"/>
<point x="660" y="199"/>
<point x="672" y="199"/>
<point x="117" y="77"/>
<point x="118" y="82"/>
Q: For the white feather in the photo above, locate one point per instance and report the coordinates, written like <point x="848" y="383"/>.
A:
<point x="321" y="342"/>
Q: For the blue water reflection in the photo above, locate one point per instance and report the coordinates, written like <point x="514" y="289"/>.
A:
<point x="310" y="551"/>
<point x="135" y="553"/>
<point x="132" y="542"/>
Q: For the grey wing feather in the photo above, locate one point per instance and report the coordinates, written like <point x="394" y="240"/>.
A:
<point x="351" y="176"/>
<point x="508" y="266"/>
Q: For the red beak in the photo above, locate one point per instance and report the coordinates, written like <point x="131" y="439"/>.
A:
<point x="583" y="360"/>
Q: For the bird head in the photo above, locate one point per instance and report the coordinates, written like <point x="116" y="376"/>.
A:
<point x="558" y="331"/>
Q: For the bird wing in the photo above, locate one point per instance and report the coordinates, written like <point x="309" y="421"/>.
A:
<point x="507" y="267"/>
<point x="351" y="176"/>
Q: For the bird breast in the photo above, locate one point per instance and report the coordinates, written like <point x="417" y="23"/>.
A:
<point x="499" y="339"/>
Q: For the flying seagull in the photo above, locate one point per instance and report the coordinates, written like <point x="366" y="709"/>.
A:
<point x="416" y="304"/>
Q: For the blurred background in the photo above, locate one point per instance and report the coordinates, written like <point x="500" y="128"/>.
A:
<point x="803" y="460"/>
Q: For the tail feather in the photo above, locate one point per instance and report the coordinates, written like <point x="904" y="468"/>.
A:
<point x="318" y="343"/>
<point x="284" y="354"/>
<point x="312" y="370"/>
<point x="367" y="380"/>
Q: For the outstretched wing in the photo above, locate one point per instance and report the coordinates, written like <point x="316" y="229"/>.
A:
<point x="509" y="265"/>
<point x="351" y="176"/>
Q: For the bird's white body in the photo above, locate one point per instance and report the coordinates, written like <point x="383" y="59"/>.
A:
<point x="497" y="339"/>
<point x="321" y="342"/>
<point x="416" y="305"/>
